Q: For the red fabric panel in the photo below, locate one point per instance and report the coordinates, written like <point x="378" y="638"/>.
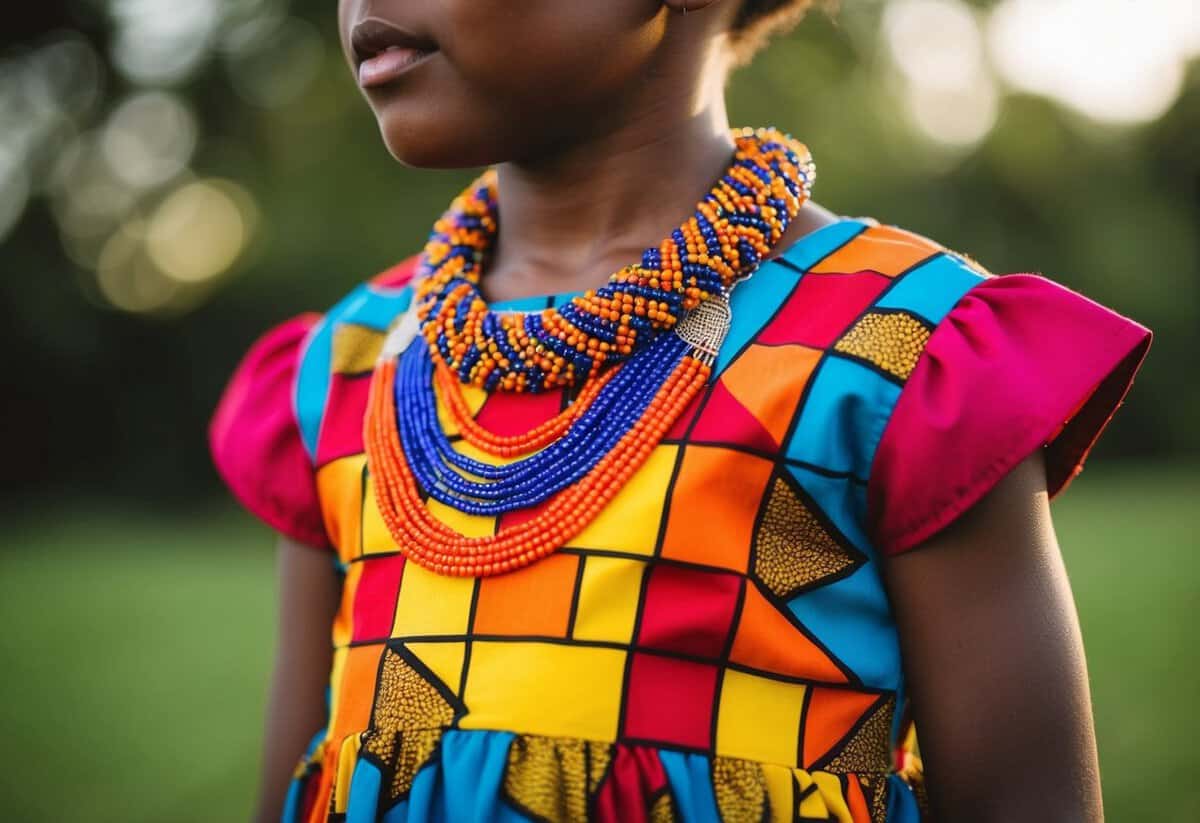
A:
<point x="375" y="596"/>
<point x="670" y="700"/>
<point x="822" y="307"/>
<point x="255" y="442"/>
<point x="342" y="427"/>
<point x="688" y="611"/>
<point x="1018" y="363"/>
<point x="635" y="779"/>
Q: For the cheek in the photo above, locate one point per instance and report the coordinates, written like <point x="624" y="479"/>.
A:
<point x="514" y="74"/>
<point x="551" y="52"/>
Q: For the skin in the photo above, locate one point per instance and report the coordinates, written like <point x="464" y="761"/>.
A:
<point x="578" y="105"/>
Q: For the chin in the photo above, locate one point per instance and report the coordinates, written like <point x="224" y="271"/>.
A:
<point x="431" y="143"/>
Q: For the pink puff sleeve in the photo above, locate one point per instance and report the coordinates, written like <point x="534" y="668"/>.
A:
<point x="1019" y="363"/>
<point x="255" y="441"/>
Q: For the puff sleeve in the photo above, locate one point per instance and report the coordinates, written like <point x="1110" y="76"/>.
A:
<point x="255" y="441"/>
<point x="1019" y="363"/>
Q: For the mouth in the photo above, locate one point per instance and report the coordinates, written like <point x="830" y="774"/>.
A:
<point x="384" y="51"/>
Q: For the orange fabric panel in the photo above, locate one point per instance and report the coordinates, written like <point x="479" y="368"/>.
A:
<point x="831" y="715"/>
<point x="884" y="249"/>
<point x="356" y="690"/>
<point x="766" y="640"/>
<point x="713" y="507"/>
<point x="768" y="381"/>
<point x="535" y="600"/>
<point x="339" y="488"/>
<point x="856" y="800"/>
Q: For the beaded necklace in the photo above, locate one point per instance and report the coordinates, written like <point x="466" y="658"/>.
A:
<point x="612" y="344"/>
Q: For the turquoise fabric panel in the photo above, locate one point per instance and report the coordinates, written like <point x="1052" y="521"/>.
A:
<point x="847" y="407"/>
<point x="690" y="779"/>
<point x="932" y="288"/>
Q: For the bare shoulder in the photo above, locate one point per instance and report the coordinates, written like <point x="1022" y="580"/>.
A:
<point x="812" y="216"/>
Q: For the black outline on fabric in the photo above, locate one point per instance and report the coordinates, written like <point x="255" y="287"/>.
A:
<point x="802" y="401"/>
<point x="850" y="685"/>
<point x="781" y="606"/>
<point x="790" y="266"/>
<point x="777" y="458"/>
<point x="649" y="561"/>
<point x="388" y="770"/>
<point x="362" y="515"/>
<point x="589" y="796"/>
<point x="593" y="797"/>
<point x="723" y="662"/>
<point x="870" y="364"/>
<point x="839" y="746"/>
<point x="805" y="704"/>
<point x="469" y="638"/>
<point x="633" y="638"/>
<point x="576" y="592"/>
<point x="858" y="557"/>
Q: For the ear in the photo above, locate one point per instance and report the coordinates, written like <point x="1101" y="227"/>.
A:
<point x="684" y="6"/>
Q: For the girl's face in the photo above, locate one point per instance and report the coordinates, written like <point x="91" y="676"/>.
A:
<point x="457" y="83"/>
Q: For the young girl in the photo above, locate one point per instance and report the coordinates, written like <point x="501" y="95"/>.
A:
<point x="650" y="489"/>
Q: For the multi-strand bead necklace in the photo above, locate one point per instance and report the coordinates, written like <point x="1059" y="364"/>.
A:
<point x="637" y="349"/>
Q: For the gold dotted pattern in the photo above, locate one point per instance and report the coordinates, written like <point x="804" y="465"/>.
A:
<point x="893" y="341"/>
<point x="405" y="720"/>
<point x="874" y="789"/>
<point x="867" y="749"/>
<point x="792" y="549"/>
<point x="662" y="810"/>
<point x="355" y="348"/>
<point x="554" y="777"/>
<point x="740" y="789"/>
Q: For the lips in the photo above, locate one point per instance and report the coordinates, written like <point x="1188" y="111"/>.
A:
<point x="384" y="51"/>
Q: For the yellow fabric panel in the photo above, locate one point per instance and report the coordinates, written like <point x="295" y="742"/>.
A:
<point x="432" y="603"/>
<point x="629" y="523"/>
<point x="355" y="348"/>
<point x="472" y="525"/>
<point x="336" y="671"/>
<point x="375" y="537"/>
<point x="339" y="488"/>
<point x="608" y="599"/>
<point x="829" y="786"/>
<point x="759" y="718"/>
<point x="345" y="769"/>
<point x="779" y="793"/>
<point x="544" y="688"/>
<point x="444" y="659"/>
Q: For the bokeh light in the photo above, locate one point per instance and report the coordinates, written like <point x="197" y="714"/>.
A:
<point x="199" y="230"/>
<point x="938" y="48"/>
<point x="1112" y="60"/>
<point x="149" y="138"/>
<point x="162" y="41"/>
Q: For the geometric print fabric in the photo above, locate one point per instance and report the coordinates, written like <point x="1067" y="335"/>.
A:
<point x="663" y="631"/>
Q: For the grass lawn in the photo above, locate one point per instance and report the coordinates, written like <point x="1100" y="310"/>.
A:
<point x="136" y="650"/>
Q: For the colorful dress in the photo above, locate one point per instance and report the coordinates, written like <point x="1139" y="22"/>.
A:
<point x="717" y="644"/>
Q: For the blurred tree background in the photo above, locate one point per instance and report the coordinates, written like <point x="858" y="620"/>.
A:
<point x="176" y="177"/>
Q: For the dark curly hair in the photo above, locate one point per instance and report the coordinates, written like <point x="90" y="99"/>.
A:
<point x="759" y="19"/>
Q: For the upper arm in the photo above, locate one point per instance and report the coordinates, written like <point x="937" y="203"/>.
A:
<point x="309" y="590"/>
<point x="995" y="662"/>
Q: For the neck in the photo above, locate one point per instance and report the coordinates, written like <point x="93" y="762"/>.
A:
<point x="589" y="206"/>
